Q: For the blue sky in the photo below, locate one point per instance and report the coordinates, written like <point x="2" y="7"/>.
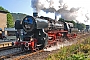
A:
<point x="17" y="6"/>
<point x="21" y="6"/>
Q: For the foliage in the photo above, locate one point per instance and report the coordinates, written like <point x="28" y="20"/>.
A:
<point x="79" y="56"/>
<point x="80" y="26"/>
<point x="18" y="16"/>
<point x="61" y="19"/>
<point x="10" y="22"/>
<point x="78" y="51"/>
<point x="1" y="8"/>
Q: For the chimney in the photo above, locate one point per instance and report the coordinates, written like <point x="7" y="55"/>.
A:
<point x="35" y="14"/>
<point x="56" y="17"/>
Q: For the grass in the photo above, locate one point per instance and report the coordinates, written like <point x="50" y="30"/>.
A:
<point x="78" y="51"/>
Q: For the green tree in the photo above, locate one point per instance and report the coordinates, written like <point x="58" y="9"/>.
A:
<point x="10" y="22"/>
<point x="80" y="26"/>
<point x="61" y="19"/>
<point x="1" y="8"/>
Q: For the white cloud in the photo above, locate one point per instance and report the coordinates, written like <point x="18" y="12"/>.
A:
<point x="69" y="9"/>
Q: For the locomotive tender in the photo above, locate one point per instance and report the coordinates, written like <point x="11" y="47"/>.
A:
<point x="40" y="32"/>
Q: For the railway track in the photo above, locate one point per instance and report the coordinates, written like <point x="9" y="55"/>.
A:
<point x="18" y="53"/>
<point x="6" y="48"/>
<point x="24" y="56"/>
<point x="12" y="54"/>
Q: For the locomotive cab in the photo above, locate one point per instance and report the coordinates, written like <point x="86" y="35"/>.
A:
<point x="68" y="27"/>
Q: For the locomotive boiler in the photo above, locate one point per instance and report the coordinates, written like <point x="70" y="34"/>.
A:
<point x="39" y="32"/>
